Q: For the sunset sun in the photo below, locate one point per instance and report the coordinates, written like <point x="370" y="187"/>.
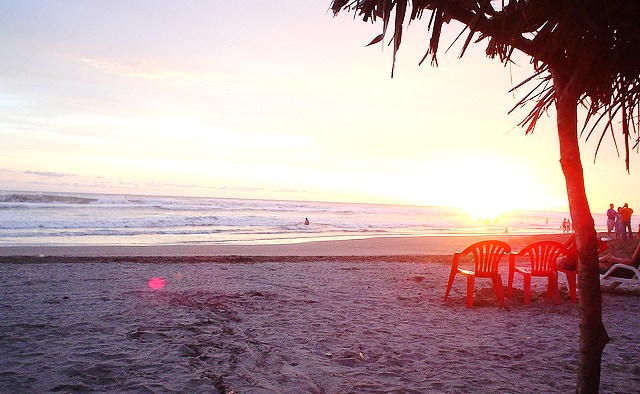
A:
<point x="483" y="186"/>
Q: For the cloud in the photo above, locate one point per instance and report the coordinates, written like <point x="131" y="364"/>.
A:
<point x="49" y="174"/>
<point x="146" y="70"/>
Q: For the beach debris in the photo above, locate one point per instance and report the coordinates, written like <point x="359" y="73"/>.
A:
<point x="135" y="334"/>
<point x="189" y="350"/>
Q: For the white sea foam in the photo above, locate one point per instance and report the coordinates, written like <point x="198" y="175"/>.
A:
<point x="68" y="218"/>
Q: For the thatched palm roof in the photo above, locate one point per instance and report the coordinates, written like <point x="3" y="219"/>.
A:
<point x="593" y="46"/>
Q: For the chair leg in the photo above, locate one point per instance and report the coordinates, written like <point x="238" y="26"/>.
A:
<point x="470" y="288"/>
<point x="527" y="288"/>
<point x="498" y="289"/>
<point x="571" y="282"/>
<point x="552" y="288"/>
<point x="510" y="282"/>
<point x="452" y="276"/>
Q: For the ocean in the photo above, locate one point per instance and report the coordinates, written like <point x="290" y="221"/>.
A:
<point x="43" y="218"/>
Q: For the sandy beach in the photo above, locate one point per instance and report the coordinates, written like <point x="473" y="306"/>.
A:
<point x="360" y="316"/>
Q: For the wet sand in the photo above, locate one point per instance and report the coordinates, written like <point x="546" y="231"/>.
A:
<point x="383" y="246"/>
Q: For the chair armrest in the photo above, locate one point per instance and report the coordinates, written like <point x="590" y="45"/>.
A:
<point x="512" y="260"/>
<point x="466" y="272"/>
<point x="521" y="253"/>
<point x="565" y="270"/>
<point x="456" y="260"/>
<point x="513" y="255"/>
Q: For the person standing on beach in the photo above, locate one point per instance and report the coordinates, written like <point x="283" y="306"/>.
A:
<point x="618" y="228"/>
<point x="627" y="232"/>
<point x="611" y="220"/>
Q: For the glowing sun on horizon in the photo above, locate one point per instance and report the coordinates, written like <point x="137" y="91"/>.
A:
<point x="487" y="211"/>
<point x="484" y="186"/>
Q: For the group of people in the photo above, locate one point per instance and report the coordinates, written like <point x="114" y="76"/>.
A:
<point x="619" y="221"/>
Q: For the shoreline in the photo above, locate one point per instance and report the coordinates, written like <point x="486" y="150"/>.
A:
<point x="375" y="246"/>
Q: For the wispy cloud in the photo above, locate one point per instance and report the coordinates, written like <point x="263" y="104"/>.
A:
<point x="50" y="174"/>
<point x="147" y="70"/>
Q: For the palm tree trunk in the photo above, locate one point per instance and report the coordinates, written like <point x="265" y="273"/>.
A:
<point x="593" y="335"/>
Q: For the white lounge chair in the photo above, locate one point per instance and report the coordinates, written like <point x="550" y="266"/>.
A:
<point x="631" y="276"/>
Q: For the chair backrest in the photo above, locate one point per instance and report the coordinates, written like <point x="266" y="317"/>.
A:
<point x="543" y="256"/>
<point x="487" y="255"/>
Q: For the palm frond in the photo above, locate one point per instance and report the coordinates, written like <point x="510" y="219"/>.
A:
<point x="592" y="44"/>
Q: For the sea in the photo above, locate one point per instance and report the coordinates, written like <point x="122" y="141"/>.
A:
<point x="69" y="219"/>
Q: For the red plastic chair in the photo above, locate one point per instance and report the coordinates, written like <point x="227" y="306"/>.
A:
<point x="572" y="273"/>
<point x="486" y="258"/>
<point x="541" y="262"/>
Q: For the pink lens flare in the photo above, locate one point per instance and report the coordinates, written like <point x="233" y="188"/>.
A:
<point x="157" y="283"/>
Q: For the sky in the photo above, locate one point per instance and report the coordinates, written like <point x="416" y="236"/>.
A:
<point x="271" y="99"/>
